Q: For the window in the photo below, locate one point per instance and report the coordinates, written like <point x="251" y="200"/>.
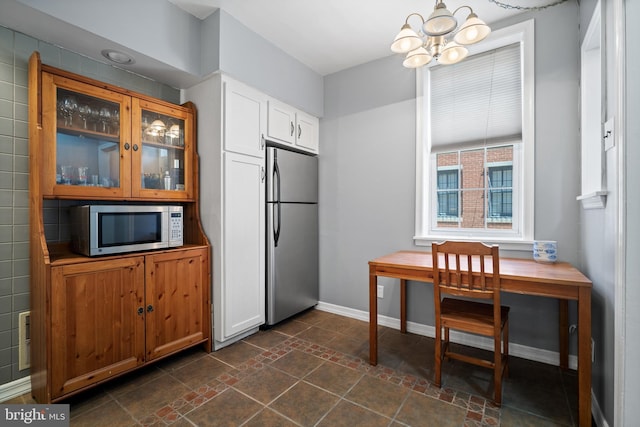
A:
<point x="448" y="195"/>
<point x="500" y="192"/>
<point x="475" y="144"/>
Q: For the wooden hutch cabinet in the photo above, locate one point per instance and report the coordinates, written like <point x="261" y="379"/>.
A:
<point x="94" y="318"/>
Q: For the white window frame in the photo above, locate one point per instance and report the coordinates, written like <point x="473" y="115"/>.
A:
<point x="522" y="33"/>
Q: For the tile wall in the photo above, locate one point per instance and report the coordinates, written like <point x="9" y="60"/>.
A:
<point x="15" y="49"/>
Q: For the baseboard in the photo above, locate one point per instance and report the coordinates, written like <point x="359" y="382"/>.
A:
<point x="15" y="388"/>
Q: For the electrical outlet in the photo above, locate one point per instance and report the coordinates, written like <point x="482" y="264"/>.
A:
<point x="24" y="340"/>
<point x="380" y="291"/>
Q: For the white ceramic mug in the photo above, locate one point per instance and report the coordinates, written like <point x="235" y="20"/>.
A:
<point x="545" y="251"/>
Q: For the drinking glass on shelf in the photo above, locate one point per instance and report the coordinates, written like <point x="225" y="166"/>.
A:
<point x="82" y="175"/>
<point x="70" y="105"/>
<point x="84" y="111"/>
<point x="95" y="116"/>
<point x="67" y="174"/>
<point x="105" y="117"/>
<point x="115" y="120"/>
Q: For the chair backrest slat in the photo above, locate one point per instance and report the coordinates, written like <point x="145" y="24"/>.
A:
<point x="470" y="276"/>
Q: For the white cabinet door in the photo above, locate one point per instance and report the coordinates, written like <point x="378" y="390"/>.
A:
<point x="243" y="246"/>
<point x="307" y="132"/>
<point x="281" y="122"/>
<point x="245" y="115"/>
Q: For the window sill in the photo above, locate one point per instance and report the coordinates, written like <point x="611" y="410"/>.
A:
<point x="504" y="243"/>
<point x="595" y="200"/>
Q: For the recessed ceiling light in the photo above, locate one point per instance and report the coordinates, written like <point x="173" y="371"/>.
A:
<point x="118" y="57"/>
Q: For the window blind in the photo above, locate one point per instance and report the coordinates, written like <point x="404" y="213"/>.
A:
<point x="477" y="101"/>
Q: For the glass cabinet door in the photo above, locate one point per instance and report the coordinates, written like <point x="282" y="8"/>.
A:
<point x="160" y="166"/>
<point x="87" y="158"/>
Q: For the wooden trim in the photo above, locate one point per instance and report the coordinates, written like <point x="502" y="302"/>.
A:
<point x="39" y="254"/>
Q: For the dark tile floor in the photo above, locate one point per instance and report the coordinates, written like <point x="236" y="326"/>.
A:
<point x="313" y="370"/>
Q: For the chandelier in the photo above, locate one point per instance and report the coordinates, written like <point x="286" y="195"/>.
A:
<point x="439" y="37"/>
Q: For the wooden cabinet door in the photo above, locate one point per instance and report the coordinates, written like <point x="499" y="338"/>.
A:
<point x="162" y="151"/>
<point x="177" y="289"/>
<point x="97" y="330"/>
<point x="241" y="303"/>
<point x="245" y="115"/>
<point x="87" y="135"/>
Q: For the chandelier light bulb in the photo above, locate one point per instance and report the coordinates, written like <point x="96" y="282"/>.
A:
<point x="417" y="58"/>
<point x="452" y="53"/>
<point x="472" y="31"/>
<point x="406" y="40"/>
<point x="440" y="22"/>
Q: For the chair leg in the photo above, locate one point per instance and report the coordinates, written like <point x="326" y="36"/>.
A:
<point x="505" y="335"/>
<point x="438" y="355"/>
<point x="497" y="371"/>
<point x="446" y="344"/>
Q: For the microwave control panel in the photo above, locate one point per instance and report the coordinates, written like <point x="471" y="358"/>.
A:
<point x="175" y="228"/>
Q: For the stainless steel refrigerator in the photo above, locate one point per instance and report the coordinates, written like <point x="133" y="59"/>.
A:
<point x="292" y="233"/>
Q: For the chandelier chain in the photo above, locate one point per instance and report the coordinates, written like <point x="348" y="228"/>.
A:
<point x="517" y="7"/>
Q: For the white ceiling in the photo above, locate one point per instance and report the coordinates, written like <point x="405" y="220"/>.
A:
<point x="332" y="35"/>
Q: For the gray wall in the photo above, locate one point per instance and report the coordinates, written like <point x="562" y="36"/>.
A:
<point x="367" y="176"/>
<point x="252" y="60"/>
<point x="15" y="49"/>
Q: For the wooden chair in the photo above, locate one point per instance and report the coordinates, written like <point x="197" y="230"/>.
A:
<point x="460" y="270"/>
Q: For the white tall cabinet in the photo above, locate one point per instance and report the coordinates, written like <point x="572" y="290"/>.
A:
<point x="231" y="123"/>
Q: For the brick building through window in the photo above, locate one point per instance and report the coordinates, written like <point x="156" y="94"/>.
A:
<point x="474" y="188"/>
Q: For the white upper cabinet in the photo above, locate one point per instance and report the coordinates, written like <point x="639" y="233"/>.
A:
<point x="245" y="116"/>
<point x="292" y="127"/>
<point x="307" y="132"/>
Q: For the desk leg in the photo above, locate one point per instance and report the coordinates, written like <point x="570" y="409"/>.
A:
<point x="373" y="316"/>
<point x="563" y="333"/>
<point x="403" y="306"/>
<point x="584" y="357"/>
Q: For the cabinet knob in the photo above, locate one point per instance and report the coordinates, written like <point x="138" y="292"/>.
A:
<point x="135" y="147"/>
<point x="140" y="310"/>
<point x="149" y="308"/>
<point x="126" y="146"/>
<point x="292" y="128"/>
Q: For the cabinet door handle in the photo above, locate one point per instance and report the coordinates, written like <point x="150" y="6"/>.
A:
<point x="292" y="128"/>
<point x="126" y="146"/>
<point x="262" y="142"/>
<point x="299" y="131"/>
<point x="262" y="173"/>
<point x="135" y="147"/>
<point x="140" y="311"/>
<point x="149" y="308"/>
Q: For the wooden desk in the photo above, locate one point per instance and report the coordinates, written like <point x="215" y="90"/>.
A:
<point x="520" y="276"/>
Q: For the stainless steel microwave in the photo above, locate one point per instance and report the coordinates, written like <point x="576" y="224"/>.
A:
<point x="111" y="229"/>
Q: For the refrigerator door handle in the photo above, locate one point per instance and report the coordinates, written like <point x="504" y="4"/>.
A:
<point x="277" y="207"/>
